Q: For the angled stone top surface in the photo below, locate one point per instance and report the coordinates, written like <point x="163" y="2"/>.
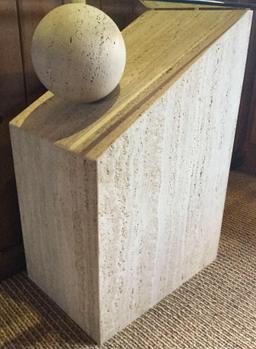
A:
<point x="161" y="45"/>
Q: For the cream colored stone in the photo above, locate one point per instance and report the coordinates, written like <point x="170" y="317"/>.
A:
<point x="78" y="53"/>
<point x="122" y="200"/>
<point x="162" y="185"/>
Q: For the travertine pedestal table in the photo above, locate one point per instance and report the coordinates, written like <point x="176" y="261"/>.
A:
<point x="121" y="201"/>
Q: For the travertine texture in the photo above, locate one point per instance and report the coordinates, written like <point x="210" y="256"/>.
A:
<point x="161" y="45"/>
<point x="57" y="197"/>
<point x="162" y="185"/>
<point x="117" y="216"/>
<point x="78" y="53"/>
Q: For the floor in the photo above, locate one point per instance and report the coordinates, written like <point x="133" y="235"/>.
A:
<point x="216" y="309"/>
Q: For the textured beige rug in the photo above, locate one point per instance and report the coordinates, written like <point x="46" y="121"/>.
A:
<point x="216" y="309"/>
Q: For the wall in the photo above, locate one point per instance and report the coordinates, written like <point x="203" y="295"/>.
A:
<point x="18" y="87"/>
<point x="244" y="152"/>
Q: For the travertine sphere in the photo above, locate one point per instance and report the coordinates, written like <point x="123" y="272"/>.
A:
<point x="78" y="53"/>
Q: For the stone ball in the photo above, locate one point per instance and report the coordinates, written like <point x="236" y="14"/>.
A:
<point x="78" y="53"/>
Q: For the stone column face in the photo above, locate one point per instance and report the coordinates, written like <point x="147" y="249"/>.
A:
<point x="122" y="201"/>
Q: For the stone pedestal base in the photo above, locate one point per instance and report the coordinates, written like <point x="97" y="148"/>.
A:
<point x="122" y="201"/>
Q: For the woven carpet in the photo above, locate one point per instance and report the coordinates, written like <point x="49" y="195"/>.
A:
<point x="214" y="310"/>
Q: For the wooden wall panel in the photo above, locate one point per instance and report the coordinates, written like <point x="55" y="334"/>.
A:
<point x="244" y="154"/>
<point x="96" y="3"/>
<point x="11" y="72"/>
<point x="30" y="13"/>
<point x="122" y="12"/>
<point x="11" y="102"/>
<point x="18" y="87"/>
<point x="248" y="101"/>
<point x="119" y="10"/>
